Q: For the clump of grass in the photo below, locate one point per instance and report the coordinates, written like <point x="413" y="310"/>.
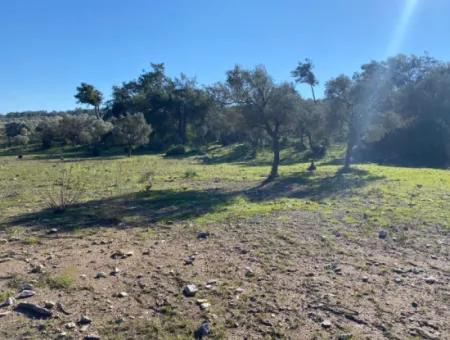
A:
<point x="4" y="295"/>
<point x="60" y="281"/>
<point x="190" y="173"/>
<point x="65" y="280"/>
<point x="30" y="240"/>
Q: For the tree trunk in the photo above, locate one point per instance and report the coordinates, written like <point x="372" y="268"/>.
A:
<point x="276" y="157"/>
<point x="129" y="151"/>
<point x="313" y="94"/>
<point x="348" y="152"/>
<point x="97" y="111"/>
<point x="310" y="141"/>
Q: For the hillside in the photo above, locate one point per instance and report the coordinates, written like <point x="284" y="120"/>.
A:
<point x="316" y="255"/>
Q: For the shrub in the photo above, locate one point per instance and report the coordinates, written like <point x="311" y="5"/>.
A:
<point x="66" y="190"/>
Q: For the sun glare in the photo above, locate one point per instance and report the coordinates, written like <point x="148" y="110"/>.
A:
<point x="402" y="27"/>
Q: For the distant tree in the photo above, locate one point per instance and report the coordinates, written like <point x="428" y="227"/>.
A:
<point x="88" y="94"/>
<point x="94" y="133"/>
<point x="304" y="74"/>
<point x="131" y="131"/>
<point x="13" y="129"/>
<point x="191" y="105"/>
<point x="342" y="93"/>
<point x="264" y="105"/>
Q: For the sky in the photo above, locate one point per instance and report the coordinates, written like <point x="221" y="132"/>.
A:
<point x="48" y="47"/>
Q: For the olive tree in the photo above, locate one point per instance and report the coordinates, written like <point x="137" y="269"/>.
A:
<point x="131" y="131"/>
<point x="264" y="105"/>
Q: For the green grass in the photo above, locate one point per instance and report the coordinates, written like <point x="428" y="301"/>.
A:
<point x="190" y="188"/>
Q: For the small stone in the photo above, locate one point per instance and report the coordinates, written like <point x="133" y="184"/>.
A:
<point x="115" y="271"/>
<point x="62" y="309"/>
<point x="382" y="234"/>
<point x="85" y="320"/>
<point x="414" y="304"/>
<point x="398" y="280"/>
<point x="190" y="290"/>
<point x="346" y="336"/>
<point x="249" y="272"/>
<point x="100" y="275"/>
<point x="49" y="304"/>
<point x="202" y="331"/>
<point x="38" y="268"/>
<point x="430" y="280"/>
<point x="92" y="337"/>
<point x="25" y="294"/>
<point x="205" y="305"/>
<point x="365" y="279"/>
<point x="53" y="231"/>
<point x="70" y="325"/>
<point x="326" y="324"/>
<point x="239" y="290"/>
<point x="122" y="294"/>
<point x="8" y="302"/>
<point x="203" y="235"/>
<point x="26" y="286"/>
<point x="190" y="260"/>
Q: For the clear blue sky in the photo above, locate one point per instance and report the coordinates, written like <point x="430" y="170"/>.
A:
<point x="49" y="46"/>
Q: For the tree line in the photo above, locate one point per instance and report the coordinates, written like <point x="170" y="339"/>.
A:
<point x="391" y="111"/>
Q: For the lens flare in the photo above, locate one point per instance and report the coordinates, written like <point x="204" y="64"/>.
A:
<point x="402" y="28"/>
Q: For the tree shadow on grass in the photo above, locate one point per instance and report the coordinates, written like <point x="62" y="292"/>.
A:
<point x="146" y="208"/>
<point x="131" y="210"/>
<point x="312" y="186"/>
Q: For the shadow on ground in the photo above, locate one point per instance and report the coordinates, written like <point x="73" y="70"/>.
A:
<point x="146" y="208"/>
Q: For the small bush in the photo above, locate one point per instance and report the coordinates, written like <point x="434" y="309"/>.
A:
<point x="66" y="190"/>
<point x="177" y="150"/>
<point x="190" y="174"/>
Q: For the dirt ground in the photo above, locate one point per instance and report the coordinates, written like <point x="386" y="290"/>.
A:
<point x="286" y="275"/>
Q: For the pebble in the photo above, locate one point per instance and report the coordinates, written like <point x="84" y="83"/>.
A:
<point x="49" y="304"/>
<point x="100" y="275"/>
<point x="26" y="286"/>
<point x="430" y="280"/>
<point x="203" y="235"/>
<point x="8" y="302"/>
<point x="85" y="320"/>
<point x="38" y="268"/>
<point x="202" y="331"/>
<point x="122" y="294"/>
<point x="115" y="271"/>
<point x="25" y="294"/>
<point x="205" y="305"/>
<point x="249" y="272"/>
<point x="92" y="337"/>
<point x="53" y="231"/>
<point x="365" y="279"/>
<point x="382" y="234"/>
<point x="71" y="325"/>
<point x="326" y="324"/>
<point x="190" y="290"/>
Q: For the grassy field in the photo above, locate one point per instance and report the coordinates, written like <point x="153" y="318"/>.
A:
<point x="303" y="249"/>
